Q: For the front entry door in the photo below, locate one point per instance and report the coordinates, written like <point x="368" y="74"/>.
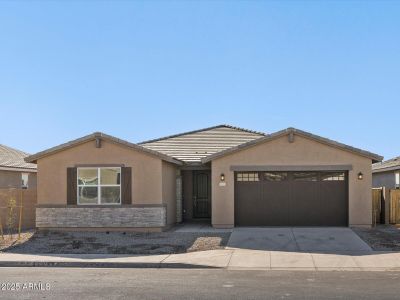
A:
<point x="201" y="194"/>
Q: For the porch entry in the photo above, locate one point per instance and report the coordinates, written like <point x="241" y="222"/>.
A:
<point x="202" y="194"/>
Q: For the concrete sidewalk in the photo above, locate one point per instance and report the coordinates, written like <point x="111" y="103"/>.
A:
<point x="235" y="259"/>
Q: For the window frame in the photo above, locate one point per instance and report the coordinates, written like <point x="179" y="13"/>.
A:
<point x="313" y="176"/>
<point x="251" y="176"/>
<point x="98" y="186"/>
<point x="284" y="176"/>
<point x="333" y="176"/>
<point x="23" y="185"/>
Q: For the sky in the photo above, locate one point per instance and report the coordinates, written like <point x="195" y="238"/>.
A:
<point x="144" y="69"/>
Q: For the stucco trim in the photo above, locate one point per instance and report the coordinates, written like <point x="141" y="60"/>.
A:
<point x="99" y="165"/>
<point x="99" y="206"/>
<point x="195" y="167"/>
<point x="273" y="136"/>
<point x="292" y="168"/>
<point x="99" y="135"/>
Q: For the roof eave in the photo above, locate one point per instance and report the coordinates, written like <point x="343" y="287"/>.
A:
<point x="269" y="137"/>
<point x="18" y="169"/>
<point x="387" y="169"/>
<point x="374" y="157"/>
<point x="33" y="158"/>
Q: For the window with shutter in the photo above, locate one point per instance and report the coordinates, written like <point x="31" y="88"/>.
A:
<point x="126" y="185"/>
<point x="99" y="185"/>
<point x="71" y="186"/>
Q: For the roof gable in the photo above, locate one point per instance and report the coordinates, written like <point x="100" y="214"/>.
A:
<point x="102" y="136"/>
<point x="294" y="131"/>
<point x="191" y="147"/>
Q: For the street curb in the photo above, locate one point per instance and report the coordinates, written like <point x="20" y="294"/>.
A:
<point x="143" y="265"/>
<point x="77" y="264"/>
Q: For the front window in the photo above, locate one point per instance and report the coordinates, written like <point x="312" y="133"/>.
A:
<point x="24" y="180"/>
<point x="99" y="185"/>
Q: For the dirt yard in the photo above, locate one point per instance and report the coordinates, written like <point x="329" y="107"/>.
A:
<point x="114" y="242"/>
<point x="381" y="237"/>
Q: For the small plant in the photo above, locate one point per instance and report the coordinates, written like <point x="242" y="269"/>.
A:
<point x="10" y="221"/>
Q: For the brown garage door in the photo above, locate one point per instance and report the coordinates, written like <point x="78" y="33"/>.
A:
<point x="291" y="199"/>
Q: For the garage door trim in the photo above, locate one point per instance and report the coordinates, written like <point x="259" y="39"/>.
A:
<point x="338" y="168"/>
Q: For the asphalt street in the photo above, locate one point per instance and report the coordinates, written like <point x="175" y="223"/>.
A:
<point x="75" y="283"/>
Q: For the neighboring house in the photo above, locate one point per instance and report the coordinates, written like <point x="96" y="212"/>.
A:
<point x="386" y="174"/>
<point x="233" y="176"/>
<point x="14" y="171"/>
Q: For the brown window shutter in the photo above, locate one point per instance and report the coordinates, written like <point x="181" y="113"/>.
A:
<point x="71" y="186"/>
<point x="126" y="185"/>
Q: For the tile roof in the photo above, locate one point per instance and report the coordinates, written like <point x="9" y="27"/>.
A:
<point x="290" y="130"/>
<point x="387" y="165"/>
<point x="191" y="147"/>
<point x="202" y="146"/>
<point x="11" y="158"/>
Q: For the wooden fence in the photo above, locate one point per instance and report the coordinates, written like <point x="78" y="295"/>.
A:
<point x="378" y="206"/>
<point x="26" y="198"/>
<point x="394" y="217"/>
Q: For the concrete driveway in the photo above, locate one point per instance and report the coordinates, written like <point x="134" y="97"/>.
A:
<point x="297" y="239"/>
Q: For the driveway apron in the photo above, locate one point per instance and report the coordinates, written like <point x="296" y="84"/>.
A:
<point x="297" y="239"/>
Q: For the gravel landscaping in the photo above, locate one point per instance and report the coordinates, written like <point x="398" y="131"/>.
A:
<point x="381" y="237"/>
<point x="9" y="241"/>
<point x="60" y="242"/>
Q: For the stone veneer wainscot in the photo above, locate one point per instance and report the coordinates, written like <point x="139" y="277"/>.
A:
<point x="95" y="216"/>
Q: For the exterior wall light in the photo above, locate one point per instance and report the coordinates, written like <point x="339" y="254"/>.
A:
<point x="360" y="176"/>
<point x="222" y="177"/>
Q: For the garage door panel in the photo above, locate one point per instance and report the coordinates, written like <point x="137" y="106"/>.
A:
<point x="275" y="198"/>
<point x="292" y="199"/>
<point x="333" y="196"/>
<point x="249" y="195"/>
<point x="305" y="205"/>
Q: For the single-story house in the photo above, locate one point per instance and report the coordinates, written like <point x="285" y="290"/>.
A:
<point x="386" y="174"/>
<point x="230" y="175"/>
<point x="14" y="171"/>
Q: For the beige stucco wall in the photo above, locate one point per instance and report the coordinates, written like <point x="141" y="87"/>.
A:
<point x="169" y="190"/>
<point x="12" y="179"/>
<point x="146" y="171"/>
<point x="302" y="151"/>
